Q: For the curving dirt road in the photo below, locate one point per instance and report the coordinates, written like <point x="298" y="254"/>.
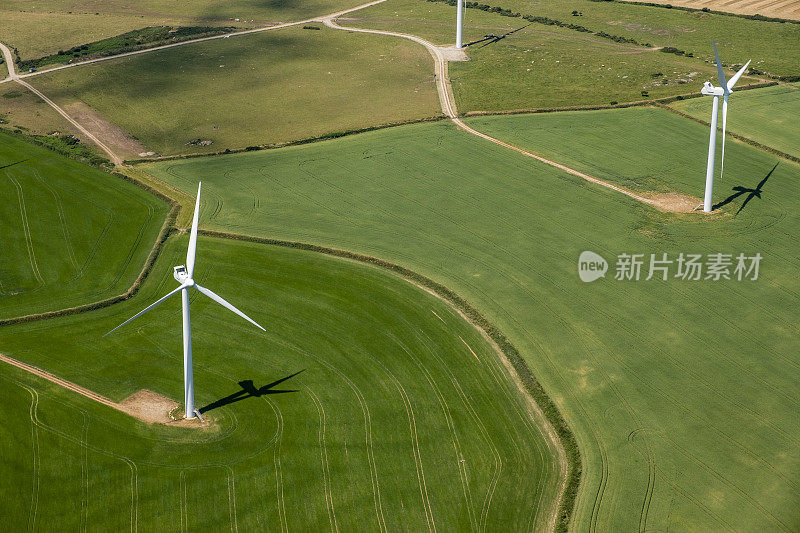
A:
<point x="13" y="76"/>
<point x="442" y="80"/>
<point x="663" y="202"/>
<point x="116" y="159"/>
<point x="199" y="40"/>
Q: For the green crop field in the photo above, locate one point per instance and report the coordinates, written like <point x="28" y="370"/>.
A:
<point x="378" y="406"/>
<point x="301" y="83"/>
<point x="435" y="356"/>
<point x="682" y="394"/>
<point x="70" y="23"/>
<point x="532" y="64"/>
<point x="671" y="158"/>
<point x="71" y="234"/>
<point x="767" y="116"/>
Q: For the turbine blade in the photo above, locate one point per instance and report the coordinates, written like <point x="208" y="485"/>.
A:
<point x="724" y="120"/>
<point x="735" y="78"/>
<point x="146" y="309"/>
<point x="220" y="300"/>
<point x="190" y="252"/>
<point x="720" y="73"/>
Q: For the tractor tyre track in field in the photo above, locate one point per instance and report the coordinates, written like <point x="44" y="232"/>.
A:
<point x="487" y="501"/>
<point x="84" y="444"/>
<point x="182" y="494"/>
<point x="498" y="460"/>
<point x="36" y="460"/>
<point x="415" y="449"/>
<point x="326" y="473"/>
<point x="62" y="219"/>
<point x="367" y="427"/>
<point x="85" y="474"/>
<point x="26" y="229"/>
<point x="232" y="499"/>
<point x="456" y="442"/>
<point x="278" y="470"/>
<point x="96" y="244"/>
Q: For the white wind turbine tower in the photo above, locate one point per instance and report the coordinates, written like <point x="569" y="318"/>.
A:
<point x="725" y="88"/>
<point x="183" y="274"/>
<point x="459" y="22"/>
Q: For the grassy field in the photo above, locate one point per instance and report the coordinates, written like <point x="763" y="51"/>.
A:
<point x="771" y="45"/>
<point x="301" y="83"/>
<point x="674" y="161"/>
<point x="21" y="109"/>
<point x="764" y="115"/>
<point x="395" y="413"/>
<point x="71" y="234"/>
<point x="70" y="23"/>
<point x="537" y="66"/>
<point x="681" y="393"/>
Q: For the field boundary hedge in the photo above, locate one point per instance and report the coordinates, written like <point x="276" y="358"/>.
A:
<point x="119" y="44"/>
<point x="623" y="105"/>
<point x="476" y="318"/>
<point x="547" y="21"/>
<point x="78" y="151"/>
<point x="273" y="146"/>
<point x="736" y="136"/>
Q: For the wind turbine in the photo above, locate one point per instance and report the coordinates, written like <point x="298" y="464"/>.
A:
<point x="183" y="275"/>
<point x="725" y="88"/>
<point x="459" y="22"/>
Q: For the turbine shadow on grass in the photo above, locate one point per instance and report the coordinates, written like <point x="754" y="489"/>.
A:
<point x="492" y="38"/>
<point x="249" y="391"/>
<point x="741" y="191"/>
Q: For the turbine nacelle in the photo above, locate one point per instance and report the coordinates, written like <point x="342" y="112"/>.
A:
<point x="709" y="90"/>
<point x="181" y="275"/>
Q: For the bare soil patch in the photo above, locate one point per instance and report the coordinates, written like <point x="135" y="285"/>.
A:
<point x="153" y="408"/>
<point x="115" y="137"/>
<point x="144" y="405"/>
<point x="451" y="53"/>
<point x="672" y="202"/>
